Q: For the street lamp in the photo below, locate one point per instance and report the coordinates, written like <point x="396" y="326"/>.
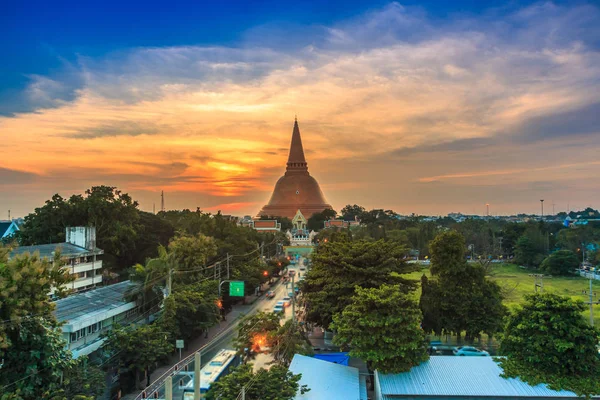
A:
<point x="542" y="203"/>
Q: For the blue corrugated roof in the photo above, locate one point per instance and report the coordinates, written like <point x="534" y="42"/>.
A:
<point x="460" y="376"/>
<point x="325" y="380"/>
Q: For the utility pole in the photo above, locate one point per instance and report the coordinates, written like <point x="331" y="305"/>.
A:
<point x="197" y="376"/>
<point x="487" y="205"/>
<point x="243" y="392"/>
<point x="591" y="303"/>
<point x="154" y="208"/>
<point x="162" y="200"/>
<point x="169" y="281"/>
<point x="227" y="265"/>
<point x="9" y="215"/>
<point x="293" y="301"/>
<point x="262" y="249"/>
<point x="542" y="202"/>
<point x="541" y="279"/>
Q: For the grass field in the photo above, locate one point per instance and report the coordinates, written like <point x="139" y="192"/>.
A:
<point x="517" y="282"/>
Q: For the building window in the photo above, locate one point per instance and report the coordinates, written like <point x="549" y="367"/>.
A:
<point x="73" y="337"/>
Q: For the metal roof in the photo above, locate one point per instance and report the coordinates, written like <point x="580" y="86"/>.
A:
<point x="460" y="376"/>
<point x="325" y="380"/>
<point x="47" y="250"/>
<point x="91" y="302"/>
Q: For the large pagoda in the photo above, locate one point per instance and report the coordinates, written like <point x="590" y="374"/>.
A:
<point x="296" y="189"/>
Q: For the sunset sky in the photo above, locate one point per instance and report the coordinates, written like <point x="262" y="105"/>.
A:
<point x="414" y="106"/>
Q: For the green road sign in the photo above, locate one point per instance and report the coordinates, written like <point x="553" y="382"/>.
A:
<point x="236" y="288"/>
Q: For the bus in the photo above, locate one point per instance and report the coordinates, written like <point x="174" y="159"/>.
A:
<point x="219" y="366"/>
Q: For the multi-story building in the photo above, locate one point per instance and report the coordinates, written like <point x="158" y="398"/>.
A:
<point x="85" y="316"/>
<point x="79" y="254"/>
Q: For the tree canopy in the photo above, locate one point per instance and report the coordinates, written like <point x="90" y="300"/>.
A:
<point x="31" y="347"/>
<point x="547" y="340"/>
<point x="339" y="267"/>
<point x="382" y="326"/>
<point x="459" y="298"/>
<point x="561" y="262"/>
<point x="275" y="384"/>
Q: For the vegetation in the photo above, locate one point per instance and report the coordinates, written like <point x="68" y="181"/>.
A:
<point x="275" y="384"/>
<point x="126" y="235"/>
<point x="138" y="350"/>
<point x="287" y="341"/>
<point x="339" y="267"/>
<point x="36" y="364"/>
<point x="561" y="262"/>
<point x="565" y="356"/>
<point x="317" y="220"/>
<point x="254" y="331"/>
<point x="382" y="326"/>
<point x="459" y="298"/>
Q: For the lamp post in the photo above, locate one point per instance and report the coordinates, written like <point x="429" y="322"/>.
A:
<point x="542" y="203"/>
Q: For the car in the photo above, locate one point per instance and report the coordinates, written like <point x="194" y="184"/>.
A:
<point x="287" y="301"/>
<point x="277" y="309"/>
<point x="303" y="268"/>
<point x="280" y="303"/>
<point x="291" y="294"/>
<point x="270" y="294"/>
<point x="292" y="273"/>
<point x="469" y="351"/>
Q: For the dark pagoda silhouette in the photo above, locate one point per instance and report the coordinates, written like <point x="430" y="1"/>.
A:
<point x="296" y="190"/>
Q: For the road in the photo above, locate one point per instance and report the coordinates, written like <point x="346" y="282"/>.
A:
<point x="221" y="337"/>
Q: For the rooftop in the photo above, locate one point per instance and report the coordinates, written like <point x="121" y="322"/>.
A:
<point x="91" y="302"/>
<point x="461" y="376"/>
<point x="47" y="250"/>
<point x="341" y="382"/>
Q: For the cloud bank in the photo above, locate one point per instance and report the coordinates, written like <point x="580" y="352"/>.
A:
<point x="391" y="104"/>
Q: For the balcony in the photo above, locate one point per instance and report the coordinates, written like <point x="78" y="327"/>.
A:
<point x="82" y="267"/>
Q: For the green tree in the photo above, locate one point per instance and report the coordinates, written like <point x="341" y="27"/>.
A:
<point x="193" y="253"/>
<point x="547" y="340"/>
<point x="459" y="298"/>
<point x="121" y="232"/>
<point x="287" y="341"/>
<point x="338" y="267"/>
<point x="275" y="384"/>
<point x="195" y="309"/>
<point x="525" y="251"/>
<point x="316" y="221"/>
<point x="351" y="212"/>
<point x="31" y="347"/>
<point x="382" y="326"/>
<point x="138" y="350"/>
<point x="256" y="327"/>
<point x="561" y="262"/>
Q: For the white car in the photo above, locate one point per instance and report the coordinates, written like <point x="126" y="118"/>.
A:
<point x="469" y="351"/>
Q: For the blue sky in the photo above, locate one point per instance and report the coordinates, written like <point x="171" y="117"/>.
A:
<point x="474" y="102"/>
<point x="40" y="36"/>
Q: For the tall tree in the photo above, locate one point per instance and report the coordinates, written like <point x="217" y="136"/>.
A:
<point x="287" y="341"/>
<point x="275" y="384"/>
<point x="561" y="262"/>
<point x="35" y="360"/>
<point x="316" y="221"/>
<point x="139" y="349"/>
<point x="352" y="212"/>
<point x="547" y="340"/>
<point x="382" y="326"/>
<point x="340" y="266"/>
<point x="255" y="327"/>
<point x="459" y="298"/>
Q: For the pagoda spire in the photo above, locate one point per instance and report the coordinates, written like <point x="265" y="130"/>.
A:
<point x="296" y="160"/>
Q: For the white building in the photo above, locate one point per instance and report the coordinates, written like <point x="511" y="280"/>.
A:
<point x="85" y="316"/>
<point x="79" y="254"/>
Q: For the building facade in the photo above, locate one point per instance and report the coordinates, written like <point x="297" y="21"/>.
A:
<point x="79" y="255"/>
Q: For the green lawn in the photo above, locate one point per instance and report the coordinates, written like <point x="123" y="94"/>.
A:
<point x="517" y="282"/>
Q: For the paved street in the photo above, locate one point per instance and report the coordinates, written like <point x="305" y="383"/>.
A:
<point x="220" y="336"/>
